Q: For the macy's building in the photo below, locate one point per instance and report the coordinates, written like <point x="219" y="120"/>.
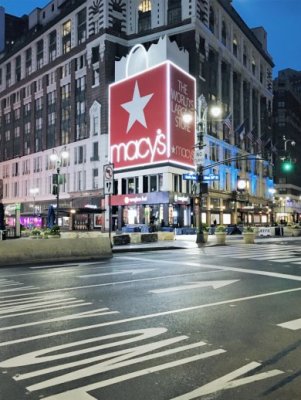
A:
<point x="54" y="94"/>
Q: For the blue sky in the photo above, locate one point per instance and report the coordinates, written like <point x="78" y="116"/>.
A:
<point x="280" y="18"/>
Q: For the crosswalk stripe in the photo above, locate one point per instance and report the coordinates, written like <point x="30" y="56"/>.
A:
<point x="270" y="252"/>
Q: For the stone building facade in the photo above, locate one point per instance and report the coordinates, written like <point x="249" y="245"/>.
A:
<point x="54" y="95"/>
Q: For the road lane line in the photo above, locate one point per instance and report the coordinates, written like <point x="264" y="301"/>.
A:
<point x="155" y="315"/>
<point x="76" y="303"/>
<point x="113" y="283"/>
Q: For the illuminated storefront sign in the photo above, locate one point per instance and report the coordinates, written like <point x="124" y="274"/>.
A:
<point x="181" y="199"/>
<point x="146" y="124"/>
<point x="145" y="198"/>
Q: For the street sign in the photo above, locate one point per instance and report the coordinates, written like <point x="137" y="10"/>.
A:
<point x="190" y="177"/>
<point x="199" y="156"/>
<point x="108" y="175"/>
<point x="211" y="177"/>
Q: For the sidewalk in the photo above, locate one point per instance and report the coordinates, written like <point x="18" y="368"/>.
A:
<point x="188" y="242"/>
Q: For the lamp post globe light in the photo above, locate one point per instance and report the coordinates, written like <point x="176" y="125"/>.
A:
<point x="58" y="158"/>
<point x="199" y="115"/>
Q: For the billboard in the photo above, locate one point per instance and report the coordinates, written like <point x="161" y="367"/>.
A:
<point x="146" y="118"/>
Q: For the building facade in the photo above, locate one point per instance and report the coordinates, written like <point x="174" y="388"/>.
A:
<point x="54" y="95"/>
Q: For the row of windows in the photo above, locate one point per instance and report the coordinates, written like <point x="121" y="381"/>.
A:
<point x="238" y="49"/>
<point x="37" y="85"/>
<point x="36" y="164"/>
<point x="23" y="189"/>
<point x="35" y="56"/>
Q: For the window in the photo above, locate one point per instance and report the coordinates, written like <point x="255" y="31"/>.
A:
<point x="177" y="183"/>
<point x="95" y="178"/>
<point x="52" y="45"/>
<point x="235" y="46"/>
<point x="18" y="68"/>
<point x="15" y="169"/>
<point x="28" y="61"/>
<point x="81" y="26"/>
<point x="95" y="122"/>
<point x="211" y="20"/>
<point x="66" y="69"/>
<point x="144" y="15"/>
<point x="244" y="57"/>
<point x="8" y="74"/>
<point x="174" y="11"/>
<point x="129" y="185"/>
<point x="224" y="33"/>
<point x="95" y="54"/>
<point x="253" y="66"/>
<point x="39" y="104"/>
<point x="40" y="53"/>
<point x="66" y="40"/>
<point x="95" y="156"/>
<point x="95" y="78"/>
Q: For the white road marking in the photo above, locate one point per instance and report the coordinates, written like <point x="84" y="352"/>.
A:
<point x="80" y="393"/>
<point x="293" y="325"/>
<point x="196" y="285"/>
<point x="290" y="259"/>
<point x="155" y="315"/>
<point x="86" y="314"/>
<point x="126" y="271"/>
<point x="19" y="289"/>
<point x="45" y="304"/>
<point x="229" y="381"/>
<point x="111" y="283"/>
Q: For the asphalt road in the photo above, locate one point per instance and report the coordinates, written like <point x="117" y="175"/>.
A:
<point x="218" y="323"/>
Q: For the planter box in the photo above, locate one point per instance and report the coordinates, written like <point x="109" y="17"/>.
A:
<point x="220" y="237"/>
<point x="166" y="235"/>
<point x="249" y="237"/>
<point x="120" y="240"/>
<point x="296" y="232"/>
<point x="149" y="237"/>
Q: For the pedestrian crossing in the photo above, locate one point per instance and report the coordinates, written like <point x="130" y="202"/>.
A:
<point x="270" y="253"/>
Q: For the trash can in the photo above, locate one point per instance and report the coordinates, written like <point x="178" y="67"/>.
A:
<point x="2" y="234"/>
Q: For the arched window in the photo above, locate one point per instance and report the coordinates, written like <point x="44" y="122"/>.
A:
<point x="211" y="20"/>
<point x="174" y="11"/>
<point x="144" y="15"/>
<point x="224" y="33"/>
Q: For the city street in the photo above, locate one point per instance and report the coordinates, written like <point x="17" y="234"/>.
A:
<point x="218" y="323"/>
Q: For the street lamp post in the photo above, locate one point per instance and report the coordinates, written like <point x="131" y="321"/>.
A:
<point x="272" y="191"/>
<point x="200" y="115"/>
<point x="286" y="141"/>
<point x="58" y="158"/>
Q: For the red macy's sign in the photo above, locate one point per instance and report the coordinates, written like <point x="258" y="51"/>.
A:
<point x="146" y="125"/>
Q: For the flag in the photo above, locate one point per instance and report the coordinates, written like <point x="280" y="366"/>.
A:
<point x="228" y="122"/>
<point x="274" y="149"/>
<point x="267" y="142"/>
<point x="250" y="135"/>
<point x="241" y="130"/>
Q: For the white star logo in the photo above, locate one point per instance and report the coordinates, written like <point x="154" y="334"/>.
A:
<point x="135" y="108"/>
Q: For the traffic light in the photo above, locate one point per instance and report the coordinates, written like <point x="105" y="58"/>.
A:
<point x="287" y="165"/>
